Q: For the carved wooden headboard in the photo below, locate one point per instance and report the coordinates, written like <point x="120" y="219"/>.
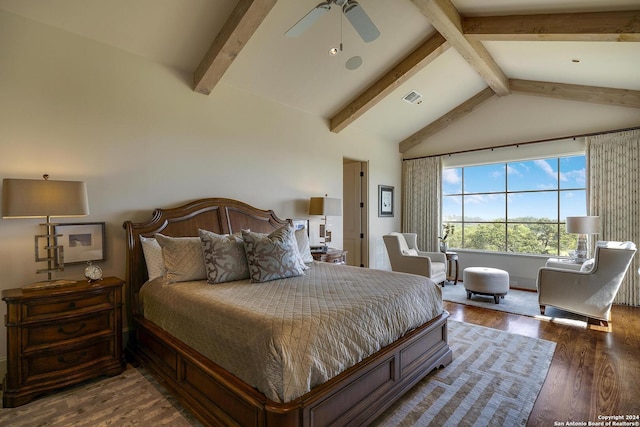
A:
<point x="218" y="215"/>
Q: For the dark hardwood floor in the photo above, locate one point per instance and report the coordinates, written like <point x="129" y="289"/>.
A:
<point x="595" y="371"/>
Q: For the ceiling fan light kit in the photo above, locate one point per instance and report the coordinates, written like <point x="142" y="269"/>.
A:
<point x="351" y="9"/>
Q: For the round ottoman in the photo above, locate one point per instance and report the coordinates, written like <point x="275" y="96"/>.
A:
<point x="486" y="281"/>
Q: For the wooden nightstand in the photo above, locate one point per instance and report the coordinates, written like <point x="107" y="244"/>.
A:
<point x="335" y="256"/>
<point x="61" y="336"/>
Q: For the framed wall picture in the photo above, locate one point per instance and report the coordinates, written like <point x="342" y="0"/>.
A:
<point x="82" y="241"/>
<point x="385" y="200"/>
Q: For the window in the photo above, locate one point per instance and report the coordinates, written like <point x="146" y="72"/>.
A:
<point x="515" y="207"/>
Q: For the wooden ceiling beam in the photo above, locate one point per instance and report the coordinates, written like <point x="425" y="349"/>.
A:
<point x="456" y="114"/>
<point x="433" y="47"/>
<point x="234" y="35"/>
<point x="599" y="95"/>
<point x="617" y="26"/>
<point x="446" y="19"/>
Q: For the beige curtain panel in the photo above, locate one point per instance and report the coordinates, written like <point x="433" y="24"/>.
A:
<point x="614" y="195"/>
<point x="421" y="179"/>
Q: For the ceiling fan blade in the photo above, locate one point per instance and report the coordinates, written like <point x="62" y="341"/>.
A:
<point x="360" y="21"/>
<point x="308" y="20"/>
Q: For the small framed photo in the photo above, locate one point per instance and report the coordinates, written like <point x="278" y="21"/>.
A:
<point x="385" y="200"/>
<point x="82" y="241"/>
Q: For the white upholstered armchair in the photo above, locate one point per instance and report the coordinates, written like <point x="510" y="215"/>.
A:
<point x="407" y="258"/>
<point x="590" y="291"/>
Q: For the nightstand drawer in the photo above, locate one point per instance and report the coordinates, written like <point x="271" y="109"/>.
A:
<point x="50" y="333"/>
<point x="70" y="361"/>
<point x="36" y="310"/>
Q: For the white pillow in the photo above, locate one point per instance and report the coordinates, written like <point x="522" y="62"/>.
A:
<point x="153" y="257"/>
<point x="183" y="258"/>
<point x="303" y="245"/>
<point x="587" y="265"/>
<point x="410" y="252"/>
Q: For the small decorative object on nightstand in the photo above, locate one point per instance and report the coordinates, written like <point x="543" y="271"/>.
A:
<point x="335" y="256"/>
<point x="92" y="272"/>
<point x="61" y="336"/>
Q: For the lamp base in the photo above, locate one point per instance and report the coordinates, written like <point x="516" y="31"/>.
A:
<point x="48" y="284"/>
<point x="581" y="250"/>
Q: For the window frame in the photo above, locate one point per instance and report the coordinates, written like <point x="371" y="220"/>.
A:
<point x="558" y="224"/>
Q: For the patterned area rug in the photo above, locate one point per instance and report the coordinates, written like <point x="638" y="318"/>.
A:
<point x="494" y="379"/>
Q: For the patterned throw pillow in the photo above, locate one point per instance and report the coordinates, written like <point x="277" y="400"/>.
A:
<point x="183" y="258"/>
<point x="273" y="256"/>
<point x="152" y="257"/>
<point x="224" y="257"/>
<point x="303" y="245"/>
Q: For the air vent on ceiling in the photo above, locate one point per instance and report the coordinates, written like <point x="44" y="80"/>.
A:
<point x="412" y="97"/>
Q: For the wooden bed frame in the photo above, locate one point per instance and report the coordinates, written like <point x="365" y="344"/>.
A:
<point x="216" y="397"/>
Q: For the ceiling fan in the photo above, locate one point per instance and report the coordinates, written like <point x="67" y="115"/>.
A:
<point x="352" y="10"/>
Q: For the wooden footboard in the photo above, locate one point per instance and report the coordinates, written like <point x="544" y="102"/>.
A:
<point x="355" y="397"/>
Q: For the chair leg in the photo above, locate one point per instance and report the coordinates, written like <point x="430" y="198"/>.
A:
<point x="496" y="298"/>
<point x="542" y="308"/>
<point x="468" y="295"/>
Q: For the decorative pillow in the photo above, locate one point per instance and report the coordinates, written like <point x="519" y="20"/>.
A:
<point x="273" y="256"/>
<point x="587" y="265"/>
<point x="152" y="257"/>
<point x="224" y="257"/>
<point x="183" y="258"/>
<point x="410" y="252"/>
<point x="302" y="239"/>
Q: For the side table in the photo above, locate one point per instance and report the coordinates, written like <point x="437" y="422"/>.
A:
<point x="452" y="257"/>
<point x="332" y="255"/>
<point x="61" y="336"/>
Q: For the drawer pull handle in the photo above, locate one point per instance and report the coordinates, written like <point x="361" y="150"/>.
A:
<point x="62" y="360"/>
<point x="62" y="331"/>
<point x="72" y="305"/>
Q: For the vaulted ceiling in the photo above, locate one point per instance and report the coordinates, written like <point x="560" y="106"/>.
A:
<point x="457" y="54"/>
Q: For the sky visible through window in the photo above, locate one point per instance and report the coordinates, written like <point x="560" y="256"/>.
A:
<point x="485" y="186"/>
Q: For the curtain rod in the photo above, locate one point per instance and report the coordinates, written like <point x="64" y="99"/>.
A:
<point x="527" y="143"/>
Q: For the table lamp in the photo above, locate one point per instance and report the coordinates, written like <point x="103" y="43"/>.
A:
<point x="31" y="198"/>
<point x="325" y="206"/>
<point x="583" y="226"/>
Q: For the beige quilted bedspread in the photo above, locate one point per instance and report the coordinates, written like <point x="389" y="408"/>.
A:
<point x="287" y="336"/>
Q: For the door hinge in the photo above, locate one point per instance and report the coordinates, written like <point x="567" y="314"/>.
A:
<point x="362" y="204"/>
<point x="362" y="235"/>
<point x="361" y="173"/>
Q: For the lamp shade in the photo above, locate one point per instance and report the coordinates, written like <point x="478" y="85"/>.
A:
<point x="31" y="198"/>
<point x="583" y="224"/>
<point x="325" y="206"/>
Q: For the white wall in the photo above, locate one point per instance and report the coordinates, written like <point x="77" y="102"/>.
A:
<point x="141" y="139"/>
